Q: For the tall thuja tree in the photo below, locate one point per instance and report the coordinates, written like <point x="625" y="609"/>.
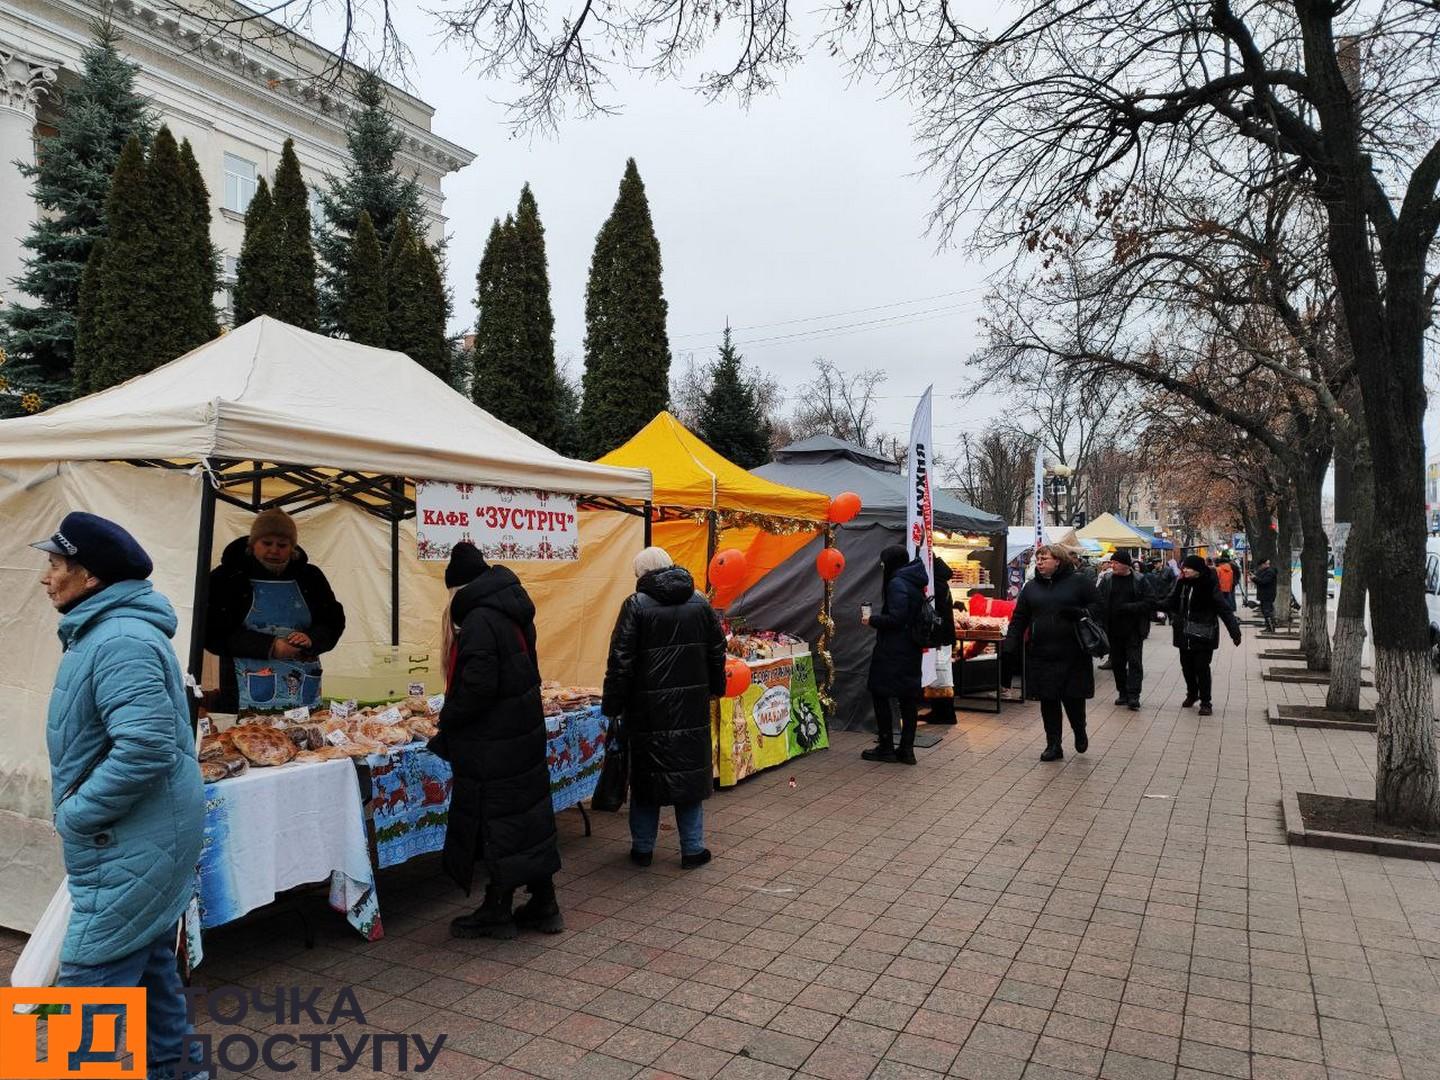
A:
<point x="496" y="331"/>
<point x="731" y="419"/>
<point x="627" y="352"/>
<point x="254" y="270"/>
<point x="207" y="269"/>
<point x="143" y="304"/>
<point x="71" y="184"/>
<point x="417" y="308"/>
<point x="371" y="183"/>
<point x="535" y="409"/>
<point x="292" y="297"/>
<point x="363" y="308"/>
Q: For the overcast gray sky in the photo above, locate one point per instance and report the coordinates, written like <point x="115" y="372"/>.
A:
<point x="801" y="218"/>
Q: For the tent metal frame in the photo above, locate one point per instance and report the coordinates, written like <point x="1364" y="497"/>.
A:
<point x="240" y="483"/>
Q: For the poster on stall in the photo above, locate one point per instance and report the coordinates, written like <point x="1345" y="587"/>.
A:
<point x="779" y="717"/>
<point x="510" y="524"/>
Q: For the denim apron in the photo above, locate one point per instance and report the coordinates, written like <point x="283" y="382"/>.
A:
<point x="277" y="609"/>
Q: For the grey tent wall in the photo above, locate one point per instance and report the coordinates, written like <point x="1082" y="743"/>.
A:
<point x="789" y="597"/>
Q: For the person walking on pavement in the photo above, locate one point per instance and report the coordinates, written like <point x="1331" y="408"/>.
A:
<point x="1266" y="579"/>
<point x="1107" y="663"/>
<point x="1225" y="575"/>
<point x="1058" y="671"/>
<point x="492" y="732"/>
<point x="128" y="801"/>
<point x="1197" y="609"/>
<point x="895" y="663"/>
<point x="667" y="661"/>
<point x="1123" y="606"/>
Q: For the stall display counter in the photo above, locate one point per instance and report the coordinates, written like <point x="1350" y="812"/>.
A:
<point x="778" y="718"/>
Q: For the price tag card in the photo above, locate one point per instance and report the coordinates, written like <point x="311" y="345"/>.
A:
<point x="301" y="714"/>
<point x="390" y="716"/>
<point x="341" y="709"/>
<point x="337" y="738"/>
<point x="417" y="689"/>
<point x="433" y="705"/>
<point x="203" y="728"/>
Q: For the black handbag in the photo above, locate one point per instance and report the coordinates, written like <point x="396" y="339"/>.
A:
<point x="1092" y="636"/>
<point x="613" y="786"/>
<point x="1201" y="630"/>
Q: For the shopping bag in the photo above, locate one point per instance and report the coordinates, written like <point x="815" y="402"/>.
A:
<point x="614" y="783"/>
<point x="1092" y="637"/>
<point x="39" y="962"/>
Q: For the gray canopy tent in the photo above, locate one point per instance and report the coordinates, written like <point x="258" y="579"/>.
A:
<point x="785" y="599"/>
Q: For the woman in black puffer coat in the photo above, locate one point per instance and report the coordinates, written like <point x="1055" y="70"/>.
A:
<point x="1058" y="672"/>
<point x="492" y="732"/>
<point x="667" y="660"/>
<point x="1197" y="608"/>
<point x="895" y="665"/>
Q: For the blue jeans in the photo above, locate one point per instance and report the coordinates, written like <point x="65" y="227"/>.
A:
<point x="689" y="821"/>
<point x="153" y="967"/>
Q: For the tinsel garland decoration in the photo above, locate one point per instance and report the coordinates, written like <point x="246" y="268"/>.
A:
<point x="740" y="519"/>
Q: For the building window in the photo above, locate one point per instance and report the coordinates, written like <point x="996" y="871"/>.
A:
<point x="240" y="178"/>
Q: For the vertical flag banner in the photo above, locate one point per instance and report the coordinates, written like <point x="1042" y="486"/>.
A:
<point x="1039" y="495"/>
<point x="920" y="511"/>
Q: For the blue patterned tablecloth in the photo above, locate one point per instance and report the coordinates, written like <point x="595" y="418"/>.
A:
<point x="410" y="802"/>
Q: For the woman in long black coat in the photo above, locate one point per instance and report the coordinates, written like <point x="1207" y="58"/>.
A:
<point x="667" y="660"/>
<point x="942" y="709"/>
<point x="1197" y="608"/>
<point x="896" y="661"/>
<point x="492" y="732"/>
<point x="1058" y="671"/>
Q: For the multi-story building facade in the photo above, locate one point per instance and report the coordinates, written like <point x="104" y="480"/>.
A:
<point x="237" y="101"/>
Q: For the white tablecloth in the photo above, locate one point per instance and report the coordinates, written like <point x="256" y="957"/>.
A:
<point x="275" y="828"/>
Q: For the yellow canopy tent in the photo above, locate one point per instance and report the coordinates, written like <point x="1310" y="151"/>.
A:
<point x="704" y="503"/>
<point x="1113" y="531"/>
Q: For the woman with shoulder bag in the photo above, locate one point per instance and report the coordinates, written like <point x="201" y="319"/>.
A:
<point x="1197" y="608"/>
<point x="1058" y="671"/>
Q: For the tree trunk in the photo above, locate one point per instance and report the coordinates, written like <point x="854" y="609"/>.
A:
<point x="1314" y="564"/>
<point x="1285" y="564"/>
<point x="1345" y="667"/>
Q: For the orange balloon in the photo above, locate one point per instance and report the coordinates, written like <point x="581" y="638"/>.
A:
<point x="844" y="507"/>
<point x="737" y="677"/>
<point x="728" y="568"/>
<point x="829" y="564"/>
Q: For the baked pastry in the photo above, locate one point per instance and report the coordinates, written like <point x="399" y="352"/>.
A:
<point x="389" y="734"/>
<point x="214" y="747"/>
<point x="211" y="771"/>
<point x="263" y="746"/>
<point x="422" y="727"/>
<point x="324" y="753"/>
<point x="236" y="764"/>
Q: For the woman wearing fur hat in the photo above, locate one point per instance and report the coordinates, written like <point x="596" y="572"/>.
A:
<point x="1198" y="607"/>
<point x="271" y="615"/>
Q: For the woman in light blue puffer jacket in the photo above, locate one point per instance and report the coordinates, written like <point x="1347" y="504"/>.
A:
<point x="128" y="799"/>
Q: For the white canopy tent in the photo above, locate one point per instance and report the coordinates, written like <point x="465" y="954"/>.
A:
<point x="270" y="415"/>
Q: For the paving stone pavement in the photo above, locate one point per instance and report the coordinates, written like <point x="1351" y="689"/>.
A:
<point x="1134" y="913"/>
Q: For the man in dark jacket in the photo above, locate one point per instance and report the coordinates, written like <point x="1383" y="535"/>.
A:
<point x="667" y="660"/>
<point x="1266" y="579"/>
<point x="271" y="614"/>
<point x="1123" y="605"/>
<point x="896" y="663"/>
<point x="492" y="732"/>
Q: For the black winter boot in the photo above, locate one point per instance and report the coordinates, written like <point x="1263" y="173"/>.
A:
<point x="542" y="911"/>
<point x="491" y="919"/>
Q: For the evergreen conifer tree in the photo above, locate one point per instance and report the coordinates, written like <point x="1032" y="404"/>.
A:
<point x="627" y="351"/>
<point x="371" y="183"/>
<point x="207" y="268"/>
<point x="364" y="312"/>
<point x="497" y="336"/>
<point x="143" y="311"/>
<point x="254" y="270"/>
<point x="415" y="292"/>
<point x="101" y="112"/>
<point x="731" y="420"/>
<point x="86" y="309"/>
<point x="292" y="292"/>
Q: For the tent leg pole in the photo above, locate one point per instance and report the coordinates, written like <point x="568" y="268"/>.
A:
<point x="398" y="490"/>
<point x="649" y="523"/>
<point x="203" y="547"/>
<point x="712" y="541"/>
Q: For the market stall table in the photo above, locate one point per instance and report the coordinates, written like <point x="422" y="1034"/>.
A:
<point x="778" y="717"/>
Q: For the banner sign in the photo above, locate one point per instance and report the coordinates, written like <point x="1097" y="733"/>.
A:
<point x="1039" y="496"/>
<point x="511" y="524"/>
<point x="777" y="718"/>
<point x="920" y="512"/>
